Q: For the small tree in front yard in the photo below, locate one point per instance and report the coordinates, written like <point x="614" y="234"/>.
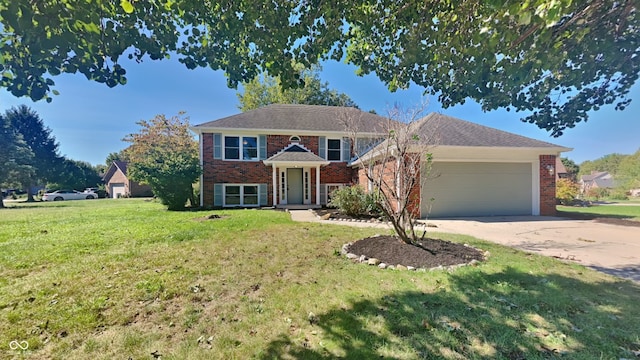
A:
<point x="566" y="191"/>
<point x="164" y="155"/>
<point x="397" y="167"/>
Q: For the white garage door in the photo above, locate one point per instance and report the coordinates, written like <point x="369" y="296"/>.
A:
<point x="117" y="190"/>
<point x="477" y="189"/>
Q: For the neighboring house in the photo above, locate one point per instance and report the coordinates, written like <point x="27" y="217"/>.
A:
<point x="295" y="155"/>
<point x="118" y="184"/>
<point x="561" y="170"/>
<point x="595" y="180"/>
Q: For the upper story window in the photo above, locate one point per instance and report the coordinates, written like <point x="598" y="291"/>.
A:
<point x="333" y="149"/>
<point x="295" y="139"/>
<point x="241" y="148"/>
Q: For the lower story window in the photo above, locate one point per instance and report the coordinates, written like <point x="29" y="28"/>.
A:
<point x="241" y="195"/>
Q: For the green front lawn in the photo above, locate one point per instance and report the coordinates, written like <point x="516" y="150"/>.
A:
<point x="628" y="211"/>
<point x="124" y="278"/>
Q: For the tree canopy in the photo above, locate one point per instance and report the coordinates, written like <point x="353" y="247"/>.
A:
<point x="608" y="163"/>
<point x="14" y="157"/>
<point x="46" y="161"/>
<point x="164" y="155"/>
<point x="553" y="60"/>
<point x="264" y="90"/>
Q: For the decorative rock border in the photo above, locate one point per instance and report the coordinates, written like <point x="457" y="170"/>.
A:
<point x="376" y="262"/>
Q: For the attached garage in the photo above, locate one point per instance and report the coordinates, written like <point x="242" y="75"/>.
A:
<point x="477" y="189"/>
<point x="117" y="190"/>
<point x="476" y="170"/>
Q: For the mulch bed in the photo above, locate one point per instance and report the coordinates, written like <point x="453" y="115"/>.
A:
<point x="427" y="254"/>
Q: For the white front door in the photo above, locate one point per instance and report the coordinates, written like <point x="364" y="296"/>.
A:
<point x="295" y="188"/>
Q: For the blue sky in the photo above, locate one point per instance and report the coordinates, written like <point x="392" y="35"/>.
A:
<point x="89" y="119"/>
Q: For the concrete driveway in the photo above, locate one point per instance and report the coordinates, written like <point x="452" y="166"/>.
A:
<point x="613" y="249"/>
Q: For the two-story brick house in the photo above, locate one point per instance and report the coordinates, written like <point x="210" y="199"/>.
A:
<point x="295" y="155"/>
<point x="280" y="155"/>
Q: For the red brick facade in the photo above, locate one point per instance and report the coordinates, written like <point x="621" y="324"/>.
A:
<point x="388" y="170"/>
<point x="547" y="185"/>
<point x="217" y="171"/>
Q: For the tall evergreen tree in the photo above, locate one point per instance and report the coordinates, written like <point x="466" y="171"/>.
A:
<point x="14" y="157"/>
<point x="42" y="144"/>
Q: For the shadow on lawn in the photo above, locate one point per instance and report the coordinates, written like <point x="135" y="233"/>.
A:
<point x="508" y="315"/>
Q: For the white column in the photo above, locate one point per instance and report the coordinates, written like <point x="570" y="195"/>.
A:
<point x="275" y="185"/>
<point x="535" y="190"/>
<point x="318" y="185"/>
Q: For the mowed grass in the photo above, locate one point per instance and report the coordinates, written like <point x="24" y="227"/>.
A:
<point x="124" y="279"/>
<point x="628" y="211"/>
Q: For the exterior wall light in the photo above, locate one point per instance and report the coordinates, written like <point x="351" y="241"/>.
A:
<point x="551" y="170"/>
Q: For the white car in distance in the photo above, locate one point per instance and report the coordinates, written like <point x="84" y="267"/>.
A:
<point x="60" y="195"/>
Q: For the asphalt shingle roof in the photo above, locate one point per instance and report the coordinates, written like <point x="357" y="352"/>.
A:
<point x="302" y="118"/>
<point x="439" y="129"/>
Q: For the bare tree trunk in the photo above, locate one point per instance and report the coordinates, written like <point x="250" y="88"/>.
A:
<point x="29" y="193"/>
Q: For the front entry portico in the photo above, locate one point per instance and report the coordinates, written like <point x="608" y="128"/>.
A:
<point x="292" y="177"/>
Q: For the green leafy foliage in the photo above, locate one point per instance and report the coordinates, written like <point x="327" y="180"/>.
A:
<point x="165" y="156"/>
<point x="46" y="162"/>
<point x="628" y="173"/>
<point x="555" y="61"/>
<point x="354" y="201"/>
<point x="14" y="157"/>
<point x="74" y="174"/>
<point x="572" y="168"/>
<point x="608" y="163"/>
<point x="566" y="191"/>
<point x="265" y="90"/>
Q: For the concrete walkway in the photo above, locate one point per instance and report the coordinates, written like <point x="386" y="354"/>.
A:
<point x="612" y="249"/>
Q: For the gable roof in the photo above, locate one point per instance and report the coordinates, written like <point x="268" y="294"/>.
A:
<point x="596" y="175"/>
<point x="115" y="165"/>
<point x="439" y="129"/>
<point x="295" y="153"/>
<point x="300" y="118"/>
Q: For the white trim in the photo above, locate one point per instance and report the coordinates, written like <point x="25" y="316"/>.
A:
<point x="326" y="193"/>
<point x="242" y="204"/>
<point x="340" y="149"/>
<point x="535" y="191"/>
<point x="282" y="177"/>
<point x="328" y="133"/>
<point x="240" y="147"/>
<point x="306" y="186"/>
<point x="318" y="185"/>
<point x="274" y="180"/>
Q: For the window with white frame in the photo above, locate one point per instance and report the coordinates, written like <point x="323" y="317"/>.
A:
<point x="241" y="148"/>
<point x="365" y="144"/>
<point x="334" y="149"/>
<point x="241" y="195"/>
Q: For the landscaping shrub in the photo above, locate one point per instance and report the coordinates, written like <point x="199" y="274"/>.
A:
<point x="566" y="191"/>
<point x="354" y="201"/>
